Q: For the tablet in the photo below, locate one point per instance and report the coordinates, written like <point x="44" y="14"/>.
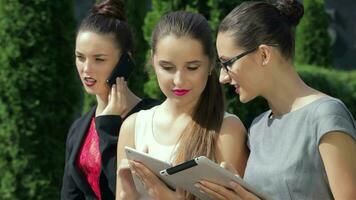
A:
<point x="187" y="174"/>
<point x="150" y="162"/>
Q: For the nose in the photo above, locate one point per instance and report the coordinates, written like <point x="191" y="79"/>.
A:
<point x="224" y="77"/>
<point x="178" y="78"/>
<point x="87" y="66"/>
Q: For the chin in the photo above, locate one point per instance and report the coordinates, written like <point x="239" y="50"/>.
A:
<point x="89" y="90"/>
<point x="245" y="99"/>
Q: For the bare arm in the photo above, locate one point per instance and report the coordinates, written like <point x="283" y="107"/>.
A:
<point x="231" y="144"/>
<point x="126" y="138"/>
<point x="338" y="152"/>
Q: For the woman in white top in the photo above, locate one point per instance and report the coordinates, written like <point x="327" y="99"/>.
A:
<point x="191" y="121"/>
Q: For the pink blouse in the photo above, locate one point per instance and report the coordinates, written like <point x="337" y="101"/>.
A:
<point x="89" y="159"/>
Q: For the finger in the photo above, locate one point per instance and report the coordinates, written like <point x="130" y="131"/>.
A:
<point x="113" y="92"/>
<point x="210" y="192"/>
<point x="221" y="190"/>
<point x="109" y="97"/>
<point x="241" y="191"/>
<point x="120" y="82"/>
<point x="149" y="178"/>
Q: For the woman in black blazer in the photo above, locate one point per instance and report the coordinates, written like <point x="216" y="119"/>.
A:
<point x="90" y="160"/>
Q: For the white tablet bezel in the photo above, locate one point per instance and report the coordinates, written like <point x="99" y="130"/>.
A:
<point x="150" y="162"/>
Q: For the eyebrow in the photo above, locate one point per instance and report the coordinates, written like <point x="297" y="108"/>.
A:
<point x="96" y="55"/>
<point x="189" y="62"/>
<point x="194" y="62"/>
<point x="165" y="62"/>
<point x="100" y="54"/>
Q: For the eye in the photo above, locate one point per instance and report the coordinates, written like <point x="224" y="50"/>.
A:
<point x="99" y="59"/>
<point x="167" y="67"/>
<point x="80" y="58"/>
<point x="192" y="68"/>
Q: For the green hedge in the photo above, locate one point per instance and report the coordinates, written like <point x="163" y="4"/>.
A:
<point x="313" y="44"/>
<point x="39" y="96"/>
<point x="339" y="84"/>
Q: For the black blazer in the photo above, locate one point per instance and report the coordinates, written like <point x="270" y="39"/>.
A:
<point x="74" y="184"/>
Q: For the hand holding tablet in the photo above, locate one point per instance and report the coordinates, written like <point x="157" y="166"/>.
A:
<point x="187" y="174"/>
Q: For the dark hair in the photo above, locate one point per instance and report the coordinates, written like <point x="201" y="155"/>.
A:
<point x="108" y="18"/>
<point x="185" y="24"/>
<point x="257" y="22"/>
<point x="199" y="138"/>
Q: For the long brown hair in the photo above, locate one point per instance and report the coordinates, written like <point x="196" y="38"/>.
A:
<point x="199" y="137"/>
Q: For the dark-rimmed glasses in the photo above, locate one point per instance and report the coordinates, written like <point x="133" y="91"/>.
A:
<point x="228" y="64"/>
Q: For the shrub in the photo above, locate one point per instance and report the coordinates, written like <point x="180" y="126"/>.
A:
<point x="312" y="40"/>
<point x="39" y="96"/>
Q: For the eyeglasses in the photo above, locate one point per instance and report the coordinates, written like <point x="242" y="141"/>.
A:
<point x="228" y="64"/>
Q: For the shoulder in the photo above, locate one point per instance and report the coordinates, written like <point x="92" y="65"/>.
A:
<point x="331" y="115"/>
<point x="330" y="106"/>
<point x="232" y="125"/>
<point x="145" y="104"/>
<point x="129" y="123"/>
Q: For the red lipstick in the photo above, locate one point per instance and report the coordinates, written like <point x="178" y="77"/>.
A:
<point x="180" y="92"/>
<point x="237" y="89"/>
<point x="89" y="81"/>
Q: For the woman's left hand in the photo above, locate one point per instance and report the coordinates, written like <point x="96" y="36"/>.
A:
<point x="153" y="185"/>
<point x="117" y="99"/>
<point x="234" y="192"/>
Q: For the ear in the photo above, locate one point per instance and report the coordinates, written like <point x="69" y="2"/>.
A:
<point x="211" y="68"/>
<point x="266" y="54"/>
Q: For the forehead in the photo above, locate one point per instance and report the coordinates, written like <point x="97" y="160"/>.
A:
<point x="172" y="46"/>
<point x="226" y="45"/>
<point x="89" y="41"/>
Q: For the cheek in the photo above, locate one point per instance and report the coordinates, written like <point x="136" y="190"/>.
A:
<point x="79" y="66"/>
<point x="201" y="80"/>
<point x="163" y="79"/>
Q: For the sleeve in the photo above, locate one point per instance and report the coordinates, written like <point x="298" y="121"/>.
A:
<point x="69" y="190"/>
<point x="334" y="116"/>
<point x="108" y="127"/>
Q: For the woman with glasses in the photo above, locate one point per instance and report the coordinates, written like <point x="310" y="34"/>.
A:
<point x="192" y="120"/>
<point x="304" y="146"/>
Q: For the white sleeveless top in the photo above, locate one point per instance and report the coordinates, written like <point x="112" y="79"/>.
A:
<point x="145" y="140"/>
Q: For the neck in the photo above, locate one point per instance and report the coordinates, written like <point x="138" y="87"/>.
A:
<point x="102" y="102"/>
<point x="287" y="91"/>
<point x="174" y="109"/>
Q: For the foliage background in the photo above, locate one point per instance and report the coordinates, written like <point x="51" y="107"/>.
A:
<point x="40" y="95"/>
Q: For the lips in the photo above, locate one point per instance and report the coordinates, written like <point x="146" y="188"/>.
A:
<point x="237" y="89"/>
<point x="180" y="92"/>
<point x="88" y="81"/>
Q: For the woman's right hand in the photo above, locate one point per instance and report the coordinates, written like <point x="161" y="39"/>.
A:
<point x="219" y="192"/>
<point x="155" y="188"/>
<point x="128" y="190"/>
<point x="117" y="100"/>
